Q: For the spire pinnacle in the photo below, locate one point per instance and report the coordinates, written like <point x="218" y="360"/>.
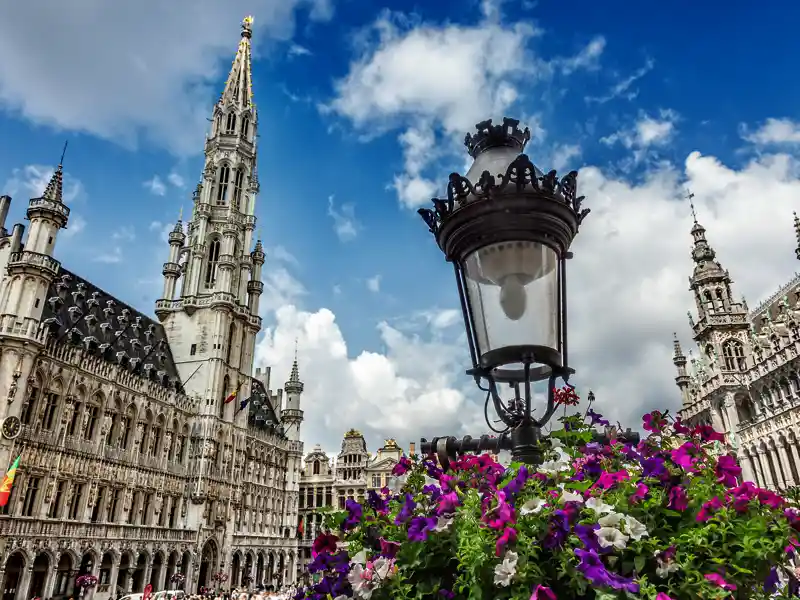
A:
<point x="797" y="234"/>
<point x="180" y="213"/>
<point x="238" y="88"/>
<point x="690" y="197"/>
<point x="676" y="344"/>
<point x="55" y="189"/>
<point x="294" y="385"/>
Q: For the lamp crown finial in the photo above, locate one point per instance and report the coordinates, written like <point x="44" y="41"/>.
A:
<point x="492" y="136"/>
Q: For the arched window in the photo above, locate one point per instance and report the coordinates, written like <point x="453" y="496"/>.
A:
<point x="238" y="185"/>
<point x="733" y="351"/>
<point x="230" y="126"/>
<point x="246" y="127"/>
<point x="231" y="335"/>
<point x="218" y="125"/>
<point x="776" y="343"/>
<point x="222" y="184"/>
<point x="226" y="391"/>
<point x="316" y="467"/>
<point x="211" y="265"/>
<point x="51" y="399"/>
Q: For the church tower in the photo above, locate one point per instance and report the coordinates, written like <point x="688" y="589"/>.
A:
<point x="212" y="321"/>
<point x="797" y="234"/>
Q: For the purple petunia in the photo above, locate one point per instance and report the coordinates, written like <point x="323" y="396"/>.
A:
<point x="596" y="573"/>
<point x="406" y="511"/>
<point x="354" y="515"/>
<point x="420" y="527"/>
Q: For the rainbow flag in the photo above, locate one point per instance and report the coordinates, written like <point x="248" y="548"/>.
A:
<point x="8" y="481"/>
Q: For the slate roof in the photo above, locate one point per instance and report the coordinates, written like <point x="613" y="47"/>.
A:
<point x="79" y="313"/>
<point x="261" y="414"/>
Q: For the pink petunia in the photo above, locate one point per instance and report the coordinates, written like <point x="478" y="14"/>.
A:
<point x="719" y="580"/>
<point x="542" y="592"/>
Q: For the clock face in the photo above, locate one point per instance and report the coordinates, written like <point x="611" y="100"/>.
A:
<point x="11" y="427"/>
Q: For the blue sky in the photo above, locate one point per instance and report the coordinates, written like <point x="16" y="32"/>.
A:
<point x="354" y="96"/>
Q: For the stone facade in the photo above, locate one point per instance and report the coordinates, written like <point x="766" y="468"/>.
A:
<point x="140" y="458"/>
<point x="327" y="483"/>
<point x="746" y="380"/>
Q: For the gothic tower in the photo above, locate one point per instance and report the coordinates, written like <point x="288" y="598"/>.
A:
<point x="212" y="322"/>
<point x="797" y="233"/>
<point x="291" y="415"/>
<point x="682" y="380"/>
<point x="721" y="319"/>
<point x="30" y="269"/>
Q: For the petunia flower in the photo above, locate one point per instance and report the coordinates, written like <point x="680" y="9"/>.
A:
<point x="611" y="537"/>
<point x="719" y="580"/>
<point x="568" y="496"/>
<point x="505" y="571"/>
<point x="678" y="499"/>
<point x="727" y="471"/>
<point x="532" y="506"/>
<point x="598" y="506"/>
<point x="634" y="528"/>
<point x="542" y="592"/>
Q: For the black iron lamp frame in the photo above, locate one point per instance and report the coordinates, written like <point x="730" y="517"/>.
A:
<point x="523" y="205"/>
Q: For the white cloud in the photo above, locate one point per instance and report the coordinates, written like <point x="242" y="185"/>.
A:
<point x="281" y="288"/>
<point x="646" y="131"/>
<point x="430" y="79"/>
<point x="345" y="223"/>
<point x="622" y="89"/>
<point x="627" y="294"/>
<point x="774" y="131"/>
<point x="31" y="180"/>
<point x="374" y="284"/>
<point x="298" y="50"/>
<point x="563" y="156"/>
<point x="390" y="394"/>
<point x="155" y="186"/>
<point x="126" y="233"/>
<point x="109" y="257"/>
<point x="156" y="90"/>
<point x="75" y="225"/>
<point x="176" y="180"/>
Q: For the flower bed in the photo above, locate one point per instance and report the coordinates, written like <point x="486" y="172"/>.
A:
<point x="663" y="520"/>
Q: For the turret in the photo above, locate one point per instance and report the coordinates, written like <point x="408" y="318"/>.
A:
<point x="679" y="360"/>
<point x="255" y="286"/>
<point x="31" y="267"/>
<point x="292" y="416"/>
<point x="172" y="268"/>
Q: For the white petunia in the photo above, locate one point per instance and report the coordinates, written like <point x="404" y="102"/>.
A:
<point x="598" y="506"/>
<point x="505" y="571"/>
<point x="665" y="568"/>
<point x="552" y="467"/>
<point x="383" y="567"/>
<point x="611" y="536"/>
<point x="532" y="506"/>
<point x="360" y="558"/>
<point x="555" y="443"/>
<point x="568" y="496"/>
<point x="610" y="520"/>
<point x="443" y="523"/>
<point x="359" y="579"/>
<point x="635" y="529"/>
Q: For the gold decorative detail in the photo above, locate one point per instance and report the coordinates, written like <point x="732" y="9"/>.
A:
<point x="352" y="433"/>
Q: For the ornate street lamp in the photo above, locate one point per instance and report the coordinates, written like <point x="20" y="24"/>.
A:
<point x="507" y="228"/>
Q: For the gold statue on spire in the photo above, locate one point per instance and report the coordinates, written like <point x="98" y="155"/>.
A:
<point x="247" y="23"/>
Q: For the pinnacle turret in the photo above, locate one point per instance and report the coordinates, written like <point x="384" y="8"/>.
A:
<point x="55" y="189"/>
<point x="294" y="385"/>
<point x="678" y="357"/>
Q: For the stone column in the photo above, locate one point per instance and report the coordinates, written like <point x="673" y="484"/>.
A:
<point x="794" y="455"/>
<point x="24" y="583"/>
<point x="785" y="465"/>
<point x="129" y="579"/>
<point x="112" y="579"/>
<point x="744" y="462"/>
<point x="765" y="471"/>
<point x="755" y="468"/>
<point x="773" y="454"/>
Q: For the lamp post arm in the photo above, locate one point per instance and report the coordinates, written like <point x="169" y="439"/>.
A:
<point x="449" y="448"/>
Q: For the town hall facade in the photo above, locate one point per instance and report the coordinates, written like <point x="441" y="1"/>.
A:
<point x="133" y="467"/>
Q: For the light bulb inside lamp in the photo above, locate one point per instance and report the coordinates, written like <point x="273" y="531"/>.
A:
<point x="513" y="299"/>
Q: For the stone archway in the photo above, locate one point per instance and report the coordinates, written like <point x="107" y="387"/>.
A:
<point x="14" y="569"/>
<point x="260" y="569"/>
<point x="236" y="570"/>
<point x="271" y="575"/>
<point x="41" y="569"/>
<point x="123" y="578"/>
<point x="155" y="572"/>
<point x="138" y="583"/>
<point x="247" y="573"/>
<point x="208" y="563"/>
<point x="172" y="567"/>
<point x="64" y="580"/>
